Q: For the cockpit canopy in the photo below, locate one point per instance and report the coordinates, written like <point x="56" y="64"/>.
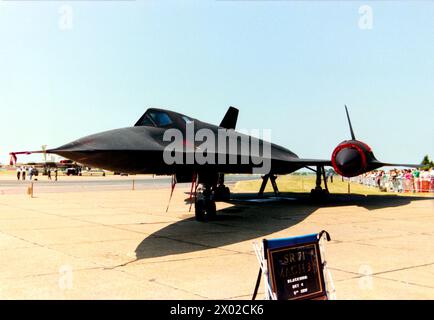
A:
<point x="161" y="118"/>
<point x="154" y="118"/>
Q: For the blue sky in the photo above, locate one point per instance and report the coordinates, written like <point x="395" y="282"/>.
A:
<point x="289" y="66"/>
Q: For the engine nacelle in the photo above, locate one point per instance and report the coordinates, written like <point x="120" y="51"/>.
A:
<point x="352" y="158"/>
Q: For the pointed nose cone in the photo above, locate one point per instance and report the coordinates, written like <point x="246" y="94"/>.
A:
<point x="85" y="150"/>
<point x="99" y="141"/>
<point x="109" y="149"/>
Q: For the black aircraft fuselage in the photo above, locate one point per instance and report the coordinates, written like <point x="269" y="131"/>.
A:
<point x="140" y="149"/>
<point x="164" y="142"/>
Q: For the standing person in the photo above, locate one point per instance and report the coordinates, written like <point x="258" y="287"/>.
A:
<point x="55" y="174"/>
<point x="378" y="179"/>
<point x="400" y="178"/>
<point x="425" y="179"/>
<point x="381" y="182"/>
<point x="30" y="173"/>
<point x="18" y="173"/>
<point x="49" y="173"/>
<point x="23" y="173"/>
<point x="416" y="174"/>
<point x="393" y="176"/>
<point x="408" y="187"/>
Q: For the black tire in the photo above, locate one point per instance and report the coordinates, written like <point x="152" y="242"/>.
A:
<point x="217" y="194"/>
<point x="227" y="194"/>
<point x="222" y="193"/>
<point x="319" y="194"/>
<point x="199" y="210"/>
<point x="211" y="210"/>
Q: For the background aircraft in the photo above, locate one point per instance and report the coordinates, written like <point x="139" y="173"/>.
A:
<point x="140" y="150"/>
<point x="69" y="167"/>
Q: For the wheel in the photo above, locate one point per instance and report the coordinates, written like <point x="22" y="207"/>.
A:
<point x="227" y="194"/>
<point x="199" y="210"/>
<point x="210" y="209"/>
<point x="319" y="194"/>
<point x="222" y="193"/>
<point x="217" y="193"/>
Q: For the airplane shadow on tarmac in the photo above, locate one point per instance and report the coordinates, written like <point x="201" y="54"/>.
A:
<point x="251" y="218"/>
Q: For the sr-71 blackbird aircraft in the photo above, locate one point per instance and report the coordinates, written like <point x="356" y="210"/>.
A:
<point x="147" y="148"/>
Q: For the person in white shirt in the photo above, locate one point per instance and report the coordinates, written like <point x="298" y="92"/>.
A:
<point x="30" y="173"/>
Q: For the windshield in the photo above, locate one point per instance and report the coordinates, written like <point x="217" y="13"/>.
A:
<point x="155" y="119"/>
<point x="161" y="119"/>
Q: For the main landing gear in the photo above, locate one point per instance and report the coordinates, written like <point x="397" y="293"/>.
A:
<point x="204" y="205"/>
<point x="319" y="192"/>
<point x="220" y="191"/>
<point x="206" y="196"/>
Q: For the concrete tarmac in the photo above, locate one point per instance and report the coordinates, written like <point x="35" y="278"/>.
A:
<point x="121" y="244"/>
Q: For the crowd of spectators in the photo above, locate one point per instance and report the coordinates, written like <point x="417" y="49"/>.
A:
<point x="405" y="180"/>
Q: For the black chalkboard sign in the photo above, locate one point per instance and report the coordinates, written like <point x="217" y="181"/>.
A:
<point x="296" y="272"/>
